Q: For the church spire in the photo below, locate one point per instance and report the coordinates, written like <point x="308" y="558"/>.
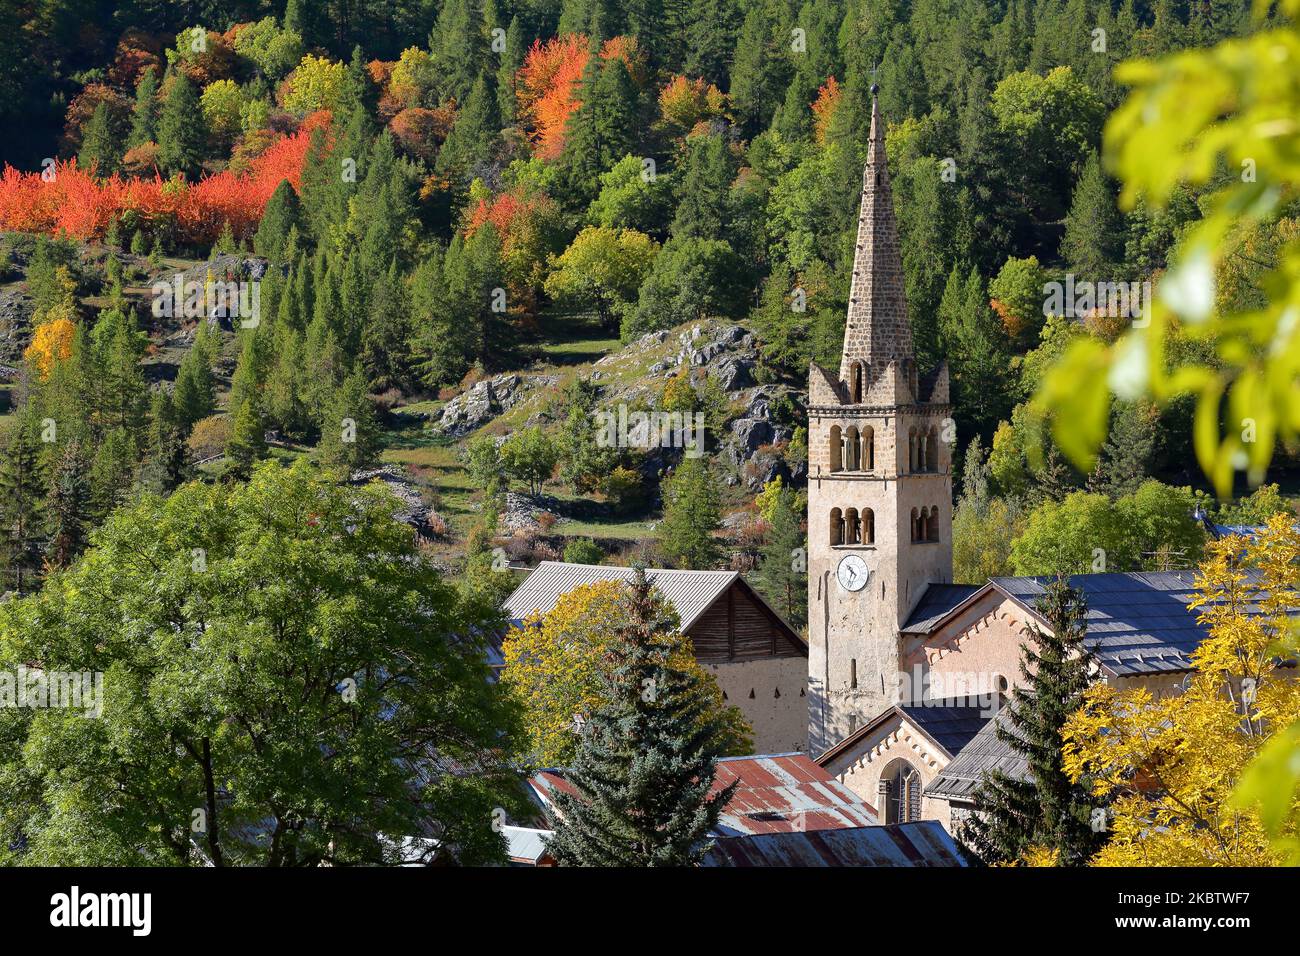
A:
<point x="877" y="330"/>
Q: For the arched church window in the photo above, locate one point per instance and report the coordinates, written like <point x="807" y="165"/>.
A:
<point x="900" y="791"/>
<point x="852" y="530"/>
<point x="852" y="449"/>
<point x="916" y="526"/>
<point x="868" y="448"/>
<point x="837" y="449"/>
<point x="932" y="524"/>
<point x="837" y="526"/>
<point x="932" y="450"/>
<point x="868" y="526"/>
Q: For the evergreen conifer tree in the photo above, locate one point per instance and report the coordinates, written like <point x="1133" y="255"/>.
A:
<point x="1043" y="809"/>
<point x="646" y="760"/>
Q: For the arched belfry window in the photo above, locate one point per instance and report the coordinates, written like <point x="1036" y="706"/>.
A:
<point x="868" y="526"/>
<point x="932" y="449"/>
<point x="932" y="525"/>
<point x="857" y="375"/>
<point x="916" y="526"/>
<point x="852" y="527"/>
<point x="911" y="449"/>
<point x="868" y="448"/>
<point x="900" y="792"/>
<point x="836" y="449"/>
<point x="837" y="526"/>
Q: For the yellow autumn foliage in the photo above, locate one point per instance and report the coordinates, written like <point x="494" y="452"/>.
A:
<point x="1171" y="764"/>
<point x="51" y="343"/>
<point x="552" y="666"/>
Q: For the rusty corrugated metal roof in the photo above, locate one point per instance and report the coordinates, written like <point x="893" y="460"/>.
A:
<point x="775" y="793"/>
<point x="923" y="844"/>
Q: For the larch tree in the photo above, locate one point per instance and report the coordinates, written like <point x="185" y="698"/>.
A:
<point x="692" y="513"/>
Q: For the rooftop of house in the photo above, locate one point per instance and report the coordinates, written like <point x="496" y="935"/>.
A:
<point x="922" y="844"/>
<point x="775" y="793"/>
<point x="1139" y="622"/>
<point x="984" y="753"/>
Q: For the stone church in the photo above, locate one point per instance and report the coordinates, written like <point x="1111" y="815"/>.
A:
<point x="907" y="670"/>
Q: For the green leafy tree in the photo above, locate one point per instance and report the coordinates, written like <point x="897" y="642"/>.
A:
<point x="223" y="696"/>
<point x="602" y="269"/>
<point x="530" y="456"/>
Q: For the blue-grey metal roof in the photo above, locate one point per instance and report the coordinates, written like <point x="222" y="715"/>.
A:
<point x="937" y="603"/>
<point x="923" y="844"/>
<point x="950" y="726"/>
<point x="984" y="753"/>
<point x="1138" y="622"/>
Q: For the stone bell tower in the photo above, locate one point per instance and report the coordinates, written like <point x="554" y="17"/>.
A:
<point x="879" y="482"/>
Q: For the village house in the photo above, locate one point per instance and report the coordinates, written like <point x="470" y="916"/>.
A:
<point x="759" y="660"/>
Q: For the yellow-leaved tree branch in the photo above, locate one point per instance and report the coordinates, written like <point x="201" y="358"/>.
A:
<point x="1225" y="120"/>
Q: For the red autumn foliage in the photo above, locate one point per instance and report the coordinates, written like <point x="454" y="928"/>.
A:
<point x="420" y="132"/>
<point x="82" y="205"/>
<point x="136" y="52"/>
<point x="549" y="80"/>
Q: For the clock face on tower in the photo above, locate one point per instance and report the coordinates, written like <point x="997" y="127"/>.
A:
<point x="853" y="573"/>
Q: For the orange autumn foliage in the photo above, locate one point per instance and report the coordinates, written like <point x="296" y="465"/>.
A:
<point x="828" y="97"/>
<point x="684" y="103"/>
<point x="51" y="342"/>
<point x="550" y="78"/>
<point x="82" y="205"/>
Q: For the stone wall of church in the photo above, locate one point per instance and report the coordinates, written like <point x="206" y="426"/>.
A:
<point x="861" y="768"/>
<point x="976" y="654"/>
<point x="772" y="694"/>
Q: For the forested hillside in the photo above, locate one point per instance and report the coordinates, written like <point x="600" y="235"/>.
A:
<point x="431" y="196"/>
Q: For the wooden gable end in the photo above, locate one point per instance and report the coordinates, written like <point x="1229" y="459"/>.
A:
<point x="739" y="626"/>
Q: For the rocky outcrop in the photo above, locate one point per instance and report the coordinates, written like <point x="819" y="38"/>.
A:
<point x="483" y="401"/>
<point x="15" y="325"/>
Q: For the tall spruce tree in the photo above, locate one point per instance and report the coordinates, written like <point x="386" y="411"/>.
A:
<point x="144" y="116"/>
<point x="100" y="148"/>
<point x="68" y="507"/>
<point x="22" y="503"/>
<point x="646" y="758"/>
<point x="1094" y="228"/>
<point x="1043" y="809"/>
<point x="181" y="133"/>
